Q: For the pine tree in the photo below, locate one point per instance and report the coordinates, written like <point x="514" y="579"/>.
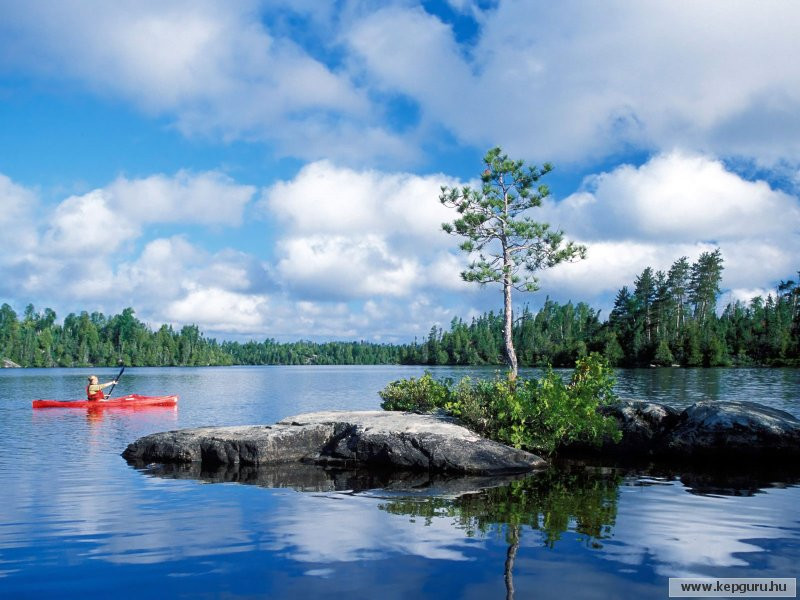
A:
<point x="511" y="246"/>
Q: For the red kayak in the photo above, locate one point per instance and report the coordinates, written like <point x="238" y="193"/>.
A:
<point x="129" y="401"/>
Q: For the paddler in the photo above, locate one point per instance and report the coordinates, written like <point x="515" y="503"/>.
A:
<point x="94" y="391"/>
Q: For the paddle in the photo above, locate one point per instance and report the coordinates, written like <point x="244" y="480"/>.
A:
<point x="116" y="380"/>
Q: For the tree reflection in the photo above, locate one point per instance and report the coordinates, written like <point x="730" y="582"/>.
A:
<point x="551" y="502"/>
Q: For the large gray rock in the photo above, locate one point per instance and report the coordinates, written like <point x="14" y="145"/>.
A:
<point x="644" y="426"/>
<point x="713" y="430"/>
<point x="391" y="440"/>
<point x="717" y="429"/>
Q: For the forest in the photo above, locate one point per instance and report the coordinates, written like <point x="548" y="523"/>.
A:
<point x="662" y="319"/>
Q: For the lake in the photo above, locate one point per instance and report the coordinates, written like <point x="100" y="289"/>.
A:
<point x="77" y="521"/>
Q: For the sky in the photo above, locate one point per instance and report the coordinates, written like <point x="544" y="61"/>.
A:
<point x="272" y="168"/>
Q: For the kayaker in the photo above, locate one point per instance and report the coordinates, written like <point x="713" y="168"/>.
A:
<point x="94" y="391"/>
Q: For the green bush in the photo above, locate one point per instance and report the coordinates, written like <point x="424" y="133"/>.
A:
<point x="416" y="395"/>
<point x="534" y="414"/>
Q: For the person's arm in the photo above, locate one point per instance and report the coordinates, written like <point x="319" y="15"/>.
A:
<point x="105" y="385"/>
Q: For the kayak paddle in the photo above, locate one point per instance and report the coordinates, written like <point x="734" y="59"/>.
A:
<point x="116" y="380"/>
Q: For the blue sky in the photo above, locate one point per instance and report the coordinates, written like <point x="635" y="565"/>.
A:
<point x="272" y="169"/>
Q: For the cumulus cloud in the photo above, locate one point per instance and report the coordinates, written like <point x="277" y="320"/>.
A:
<point x="84" y="249"/>
<point x="358" y="234"/>
<point x="219" y="310"/>
<point x="208" y="198"/>
<point x="678" y="197"/>
<point x="17" y="207"/>
<point x="100" y="222"/>
<point x="360" y="253"/>
<point x="86" y="225"/>
<point x="676" y="204"/>
<point x="345" y="267"/>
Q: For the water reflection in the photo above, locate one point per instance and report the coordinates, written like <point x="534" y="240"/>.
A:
<point x="551" y="502"/>
<point x="97" y="414"/>
<point x="681" y="522"/>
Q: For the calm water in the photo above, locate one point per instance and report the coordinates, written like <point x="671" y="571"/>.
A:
<point x="77" y="521"/>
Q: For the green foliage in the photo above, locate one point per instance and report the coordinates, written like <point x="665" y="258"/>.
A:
<point x="663" y="356"/>
<point x="557" y="413"/>
<point x="539" y="415"/>
<point x="419" y="395"/>
<point x="494" y="220"/>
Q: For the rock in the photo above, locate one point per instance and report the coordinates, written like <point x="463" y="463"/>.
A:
<point x="10" y="364"/>
<point x="727" y="429"/>
<point x="374" y="439"/>
<point x="645" y="427"/>
<point x="706" y="430"/>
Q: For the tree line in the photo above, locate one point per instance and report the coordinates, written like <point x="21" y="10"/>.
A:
<point x="36" y="339"/>
<point x="663" y="318"/>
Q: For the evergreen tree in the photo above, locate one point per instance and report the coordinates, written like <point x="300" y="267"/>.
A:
<point x="511" y="246"/>
<point x="704" y="281"/>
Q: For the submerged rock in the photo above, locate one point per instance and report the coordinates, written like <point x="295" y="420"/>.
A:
<point x="375" y="439"/>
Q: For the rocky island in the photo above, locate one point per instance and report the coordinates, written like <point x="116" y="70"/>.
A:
<point x="374" y="439"/>
<point x="436" y="443"/>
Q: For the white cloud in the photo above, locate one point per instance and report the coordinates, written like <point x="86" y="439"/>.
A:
<point x="362" y="254"/>
<point x="86" y="225"/>
<point x="325" y="198"/>
<point x="219" y="310"/>
<point x="678" y="197"/>
<point x="682" y="535"/>
<point x="215" y="69"/>
<point x="334" y="532"/>
<point x="345" y="267"/>
<point x="82" y="252"/>
<point x="17" y="207"/>
<point x="360" y="234"/>
<point x="560" y="81"/>
<point x="18" y="236"/>
<point x="206" y="198"/>
<point x="568" y="81"/>
<point x="674" y="205"/>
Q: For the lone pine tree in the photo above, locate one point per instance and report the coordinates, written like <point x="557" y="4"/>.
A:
<point x="510" y="246"/>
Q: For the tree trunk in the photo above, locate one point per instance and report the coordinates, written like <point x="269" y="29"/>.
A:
<point x="511" y="355"/>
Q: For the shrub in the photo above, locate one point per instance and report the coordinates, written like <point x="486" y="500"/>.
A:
<point x="566" y="413"/>
<point x="416" y="395"/>
<point x="539" y="415"/>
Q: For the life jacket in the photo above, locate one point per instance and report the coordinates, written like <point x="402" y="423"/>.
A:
<point x="98" y="395"/>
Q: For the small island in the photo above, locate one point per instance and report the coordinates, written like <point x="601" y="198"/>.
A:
<point x="436" y="443"/>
